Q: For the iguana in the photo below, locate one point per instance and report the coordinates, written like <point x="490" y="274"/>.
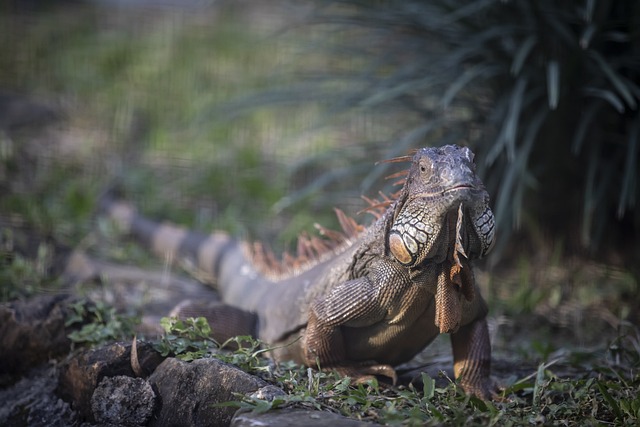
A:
<point x="367" y="299"/>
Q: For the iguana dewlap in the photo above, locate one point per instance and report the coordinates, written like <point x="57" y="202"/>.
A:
<point x="378" y="296"/>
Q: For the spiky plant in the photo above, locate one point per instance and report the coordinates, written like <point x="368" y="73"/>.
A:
<point x="545" y="91"/>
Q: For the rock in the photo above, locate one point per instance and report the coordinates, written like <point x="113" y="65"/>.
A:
<point x="124" y="401"/>
<point x="295" y="418"/>
<point x="32" y="332"/>
<point x="80" y="376"/>
<point x="19" y="111"/>
<point x="32" y="402"/>
<point x="190" y="391"/>
<point x="268" y="393"/>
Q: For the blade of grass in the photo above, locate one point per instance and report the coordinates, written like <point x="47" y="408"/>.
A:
<point x="584" y="125"/>
<point x="607" y="95"/>
<point x="610" y="400"/>
<point x="615" y="80"/>
<point x="504" y="198"/>
<point x="553" y="83"/>
<point x="538" y="386"/>
<point x="587" y="35"/>
<point x="588" y="10"/>
<point x="589" y="196"/>
<point x="467" y="77"/>
<point x="465" y="11"/>
<point x="507" y="136"/>
<point x="628" y="179"/>
<point x="523" y="52"/>
<point x="397" y="90"/>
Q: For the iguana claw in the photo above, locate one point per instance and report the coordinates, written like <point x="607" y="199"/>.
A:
<point x="367" y="371"/>
<point x="482" y="389"/>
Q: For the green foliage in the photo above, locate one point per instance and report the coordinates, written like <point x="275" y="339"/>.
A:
<point x="187" y="339"/>
<point x="21" y="276"/>
<point x="190" y="339"/>
<point x="546" y="92"/>
<point x="606" y="392"/>
<point x="138" y="90"/>
<point x="99" y="323"/>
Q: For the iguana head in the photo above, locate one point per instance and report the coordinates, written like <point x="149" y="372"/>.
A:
<point x="443" y="209"/>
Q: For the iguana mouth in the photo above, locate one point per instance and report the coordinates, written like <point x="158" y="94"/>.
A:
<point x="443" y="192"/>
<point x="459" y="187"/>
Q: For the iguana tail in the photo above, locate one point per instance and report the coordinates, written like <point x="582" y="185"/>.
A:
<point x="218" y="257"/>
<point x="228" y="265"/>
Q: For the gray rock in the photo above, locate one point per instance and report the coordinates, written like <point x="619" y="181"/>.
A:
<point x="190" y="391"/>
<point x="268" y="393"/>
<point x="81" y="374"/>
<point x="123" y="400"/>
<point x="32" y="332"/>
<point x="295" y="418"/>
<point x="32" y="402"/>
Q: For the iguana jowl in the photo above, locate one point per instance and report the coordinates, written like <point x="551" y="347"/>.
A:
<point x="375" y="300"/>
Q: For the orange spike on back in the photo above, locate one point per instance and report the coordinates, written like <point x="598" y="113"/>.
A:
<point x="398" y="159"/>
<point x="402" y="173"/>
<point x="312" y="249"/>
<point x="376" y="207"/>
<point x="332" y="235"/>
<point x="350" y="227"/>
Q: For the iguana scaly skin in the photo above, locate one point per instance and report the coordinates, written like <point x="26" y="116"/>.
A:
<point x="375" y="300"/>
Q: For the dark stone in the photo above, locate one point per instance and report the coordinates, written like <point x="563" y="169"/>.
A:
<point x="190" y="391"/>
<point x="124" y="401"/>
<point x="32" y="402"/>
<point x="32" y="332"/>
<point x="268" y="393"/>
<point x="80" y="375"/>
<point x="18" y="111"/>
<point x="295" y="418"/>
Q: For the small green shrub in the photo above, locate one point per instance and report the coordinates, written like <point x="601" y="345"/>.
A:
<point x="190" y="339"/>
<point x="99" y="323"/>
<point x="21" y="276"/>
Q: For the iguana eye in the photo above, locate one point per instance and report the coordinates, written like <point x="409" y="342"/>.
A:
<point x="425" y="166"/>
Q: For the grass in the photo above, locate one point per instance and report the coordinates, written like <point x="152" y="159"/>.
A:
<point x="605" y="391"/>
<point x="143" y="108"/>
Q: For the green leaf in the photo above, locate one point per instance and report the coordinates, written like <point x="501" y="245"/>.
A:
<point x="607" y="95"/>
<point x="523" y="52"/>
<point x="428" y="386"/>
<point x="613" y="77"/>
<point x="588" y="10"/>
<point x="610" y="400"/>
<point x="507" y="136"/>
<point x="400" y="88"/>
<point x="584" y="125"/>
<point x="519" y="165"/>
<point x="519" y="386"/>
<point x="538" y="386"/>
<point x="553" y="83"/>
<point x="464" y="11"/>
<point x="587" y="35"/>
<point x="627" y="194"/>
<point x="467" y="77"/>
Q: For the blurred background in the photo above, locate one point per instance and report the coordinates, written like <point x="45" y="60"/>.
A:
<point x="260" y="117"/>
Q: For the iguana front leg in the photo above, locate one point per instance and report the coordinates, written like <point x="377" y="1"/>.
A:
<point x="355" y="303"/>
<point x="472" y="358"/>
